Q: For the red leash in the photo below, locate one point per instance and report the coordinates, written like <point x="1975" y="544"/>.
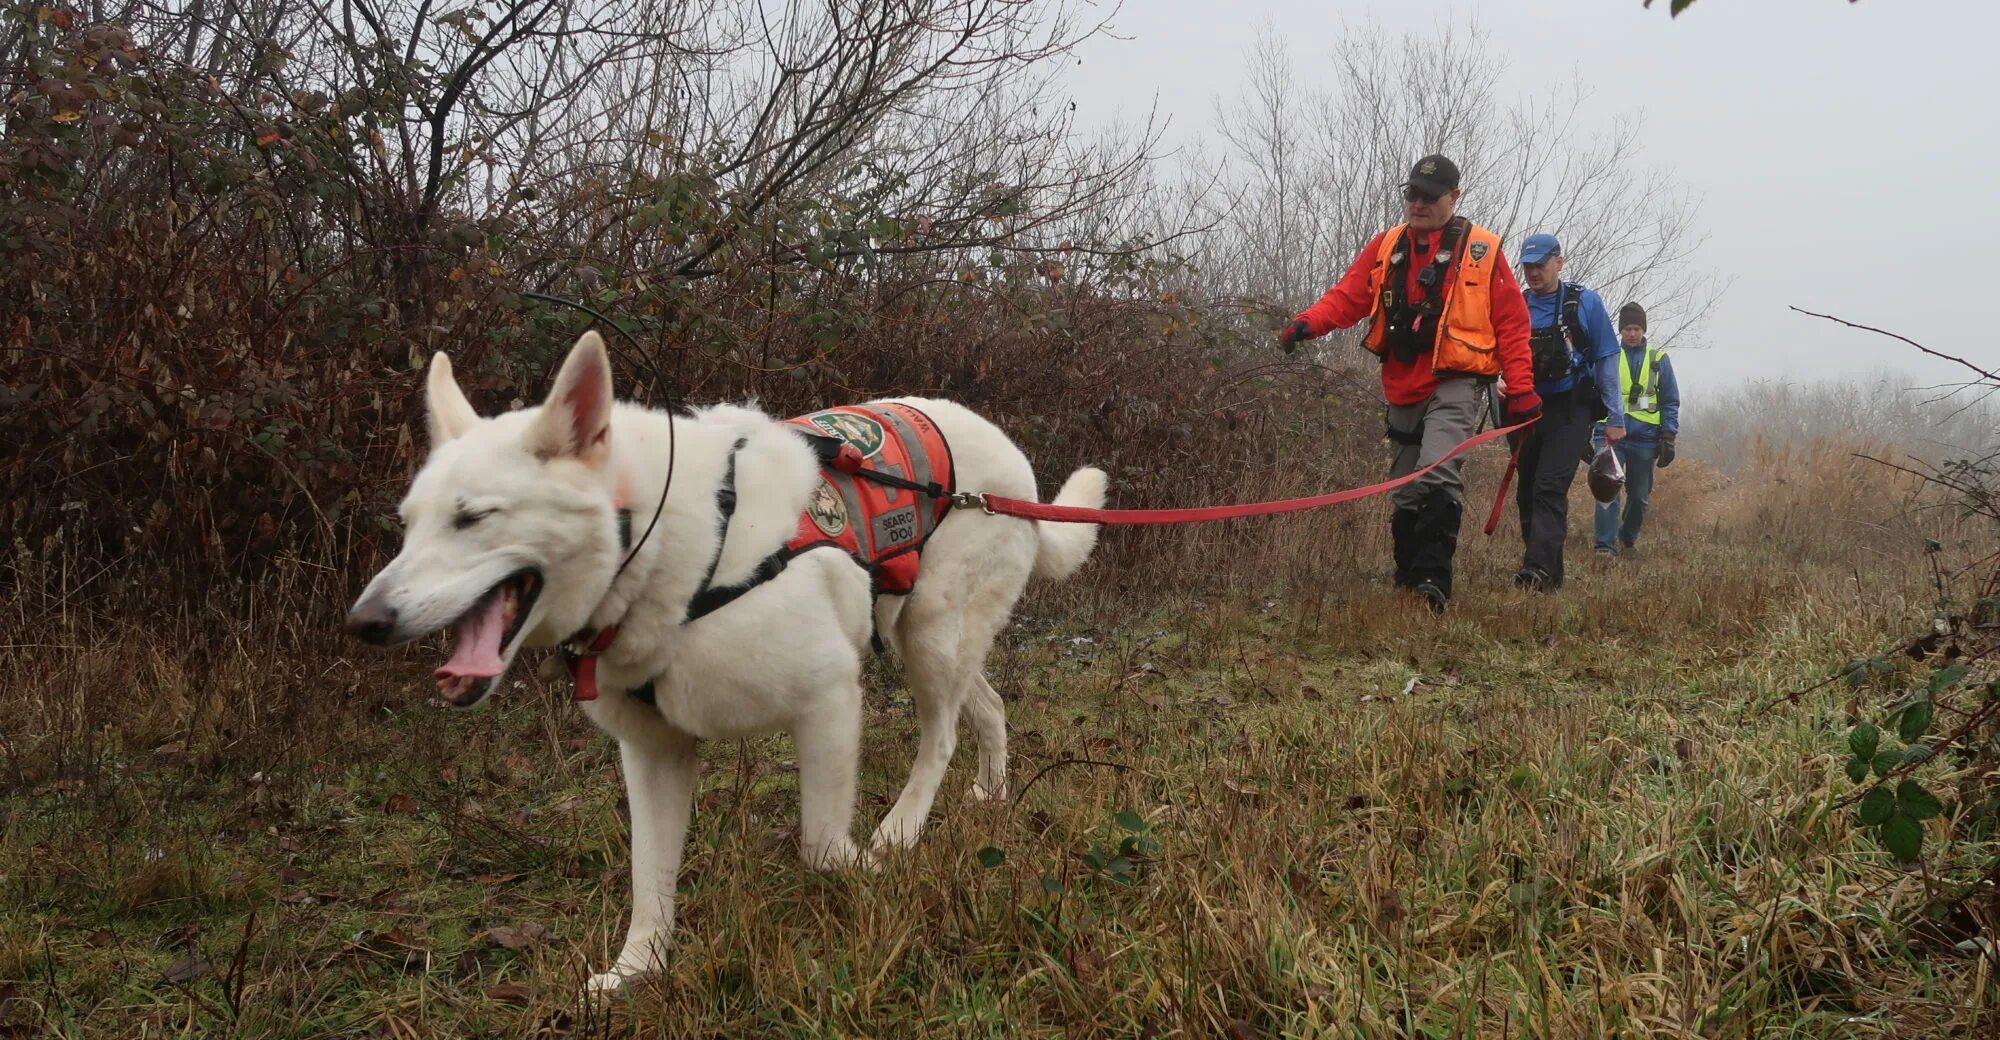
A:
<point x="1075" y="514"/>
<point x="1500" y="500"/>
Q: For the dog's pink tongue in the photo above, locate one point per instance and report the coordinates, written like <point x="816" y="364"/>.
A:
<point x="475" y="650"/>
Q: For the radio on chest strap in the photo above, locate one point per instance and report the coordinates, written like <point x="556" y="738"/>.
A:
<point x="1554" y="348"/>
<point x="1412" y="324"/>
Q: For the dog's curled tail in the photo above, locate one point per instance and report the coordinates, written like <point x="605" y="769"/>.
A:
<point x="1064" y="546"/>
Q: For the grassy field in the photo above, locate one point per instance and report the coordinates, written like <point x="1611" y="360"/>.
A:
<point x="1319" y="812"/>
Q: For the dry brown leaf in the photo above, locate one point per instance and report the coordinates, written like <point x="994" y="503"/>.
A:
<point x="517" y="938"/>
<point x="186" y="970"/>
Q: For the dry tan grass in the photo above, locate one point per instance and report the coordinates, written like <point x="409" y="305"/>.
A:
<point x="1242" y="819"/>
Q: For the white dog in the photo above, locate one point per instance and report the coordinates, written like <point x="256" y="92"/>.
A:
<point x="516" y="531"/>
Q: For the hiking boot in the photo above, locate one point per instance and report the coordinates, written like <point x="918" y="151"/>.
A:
<point x="1434" y="596"/>
<point x="1403" y="534"/>
<point x="1532" y="578"/>
<point x="1605" y="550"/>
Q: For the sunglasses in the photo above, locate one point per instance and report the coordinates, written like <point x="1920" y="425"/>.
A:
<point x="1414" y="195"/>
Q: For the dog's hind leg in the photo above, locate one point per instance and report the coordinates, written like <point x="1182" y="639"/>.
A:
<point x="929" y="642"/>
<point x="829" y="748"/>
<point x="659" y="784"/>
<point x="989" y="727"/>
<point x="987" y="610"/>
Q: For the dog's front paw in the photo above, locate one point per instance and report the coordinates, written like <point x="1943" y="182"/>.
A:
<point x="605" y="984"/>
<point x="840" y="855"/>
<point x="980" y="793"/>
<point x="896" y="833"/>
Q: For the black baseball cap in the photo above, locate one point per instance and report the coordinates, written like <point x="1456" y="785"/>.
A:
<point x="1433" y="175"/>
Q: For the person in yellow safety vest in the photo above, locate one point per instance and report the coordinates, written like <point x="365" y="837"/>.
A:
<point x="1652" y="420"/>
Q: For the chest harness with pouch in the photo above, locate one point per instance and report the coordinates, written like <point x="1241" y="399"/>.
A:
<point x="1410" y="326"/>
<point x="1555" y="348"/>
<point x="1642" y="399"/>
<point x="886" y="481"/>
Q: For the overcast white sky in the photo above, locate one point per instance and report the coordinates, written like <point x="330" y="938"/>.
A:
<point x="1845" y="152"/>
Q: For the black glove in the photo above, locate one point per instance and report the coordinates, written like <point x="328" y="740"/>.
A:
<point x="1666" y="450"/>
<point x="1298" y="330"/>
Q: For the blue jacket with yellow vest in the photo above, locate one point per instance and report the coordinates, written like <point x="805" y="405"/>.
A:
<point x="1632" y="369"/>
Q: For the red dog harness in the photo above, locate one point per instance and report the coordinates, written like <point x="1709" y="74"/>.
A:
<point x="886" y="481"/>
<point x="885" y="484"/>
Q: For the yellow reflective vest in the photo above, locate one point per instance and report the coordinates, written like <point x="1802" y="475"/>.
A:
<point x="1641" y="392"/>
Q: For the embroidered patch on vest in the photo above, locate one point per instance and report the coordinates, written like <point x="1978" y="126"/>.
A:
<point x="864" y="433"/>
<point x="828" y="512"/>
<point x="1478" y="251"/>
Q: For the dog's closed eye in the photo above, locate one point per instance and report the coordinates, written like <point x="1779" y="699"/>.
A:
<point x="465" y="518"/>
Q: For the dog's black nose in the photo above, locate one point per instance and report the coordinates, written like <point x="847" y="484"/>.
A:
<point x="372" y="622"/>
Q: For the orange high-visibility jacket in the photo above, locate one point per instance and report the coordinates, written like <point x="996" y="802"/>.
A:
<point x="1467" y="343"/>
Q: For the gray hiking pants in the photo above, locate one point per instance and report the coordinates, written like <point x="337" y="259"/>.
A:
<point x="1447" y="418"/>
<point x="1424" y="526"/>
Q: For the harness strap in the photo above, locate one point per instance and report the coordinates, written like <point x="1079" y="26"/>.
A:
<point x="1566" y="332"/>
<point x="583" y="662"/>
<point x="1572" y="306"/>
<point x="933" y="489"/>
<point x="725" y="505"/>
<point x="711" y="599"/>
<point x="829" y="450"/>
<point x="1411" y="438"/>
<point x="1404" y="315"/>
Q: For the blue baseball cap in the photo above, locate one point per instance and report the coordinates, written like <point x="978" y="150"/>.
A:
<point x="1539" y="248"/>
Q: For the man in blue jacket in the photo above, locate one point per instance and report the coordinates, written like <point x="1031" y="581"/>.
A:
<point x="1652" y="399"/>
<point x="1575" y="353"/>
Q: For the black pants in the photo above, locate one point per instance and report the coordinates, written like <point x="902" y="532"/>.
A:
<point x="1549" y="460"/>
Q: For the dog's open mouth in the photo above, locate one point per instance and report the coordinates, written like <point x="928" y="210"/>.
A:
<point x="481" y="636"/>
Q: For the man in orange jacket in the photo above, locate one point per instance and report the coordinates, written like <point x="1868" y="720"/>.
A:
<point x="1444" y="316"/>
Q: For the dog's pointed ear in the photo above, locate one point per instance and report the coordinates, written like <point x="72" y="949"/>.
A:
<point x="576" y="419"/>
<point x="451" y="414"/>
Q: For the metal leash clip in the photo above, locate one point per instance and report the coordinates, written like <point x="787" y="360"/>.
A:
<point x="972" y="500"/>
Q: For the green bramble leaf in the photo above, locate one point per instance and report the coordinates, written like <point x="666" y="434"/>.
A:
<point x="1916" y="721"/>
<point x="1919" y="803"/>
<point x="1864" y="740"/>
<point x="1876" y="806"/>
<point x="1903" y="836"/>
<point x="1945" y="678"/>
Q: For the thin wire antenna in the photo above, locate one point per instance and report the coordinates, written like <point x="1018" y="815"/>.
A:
<point x="660" y="384"/>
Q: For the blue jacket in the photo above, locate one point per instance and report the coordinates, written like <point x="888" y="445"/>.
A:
<point x="1670" y="398"/>
<point x="1600" y="354"/>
